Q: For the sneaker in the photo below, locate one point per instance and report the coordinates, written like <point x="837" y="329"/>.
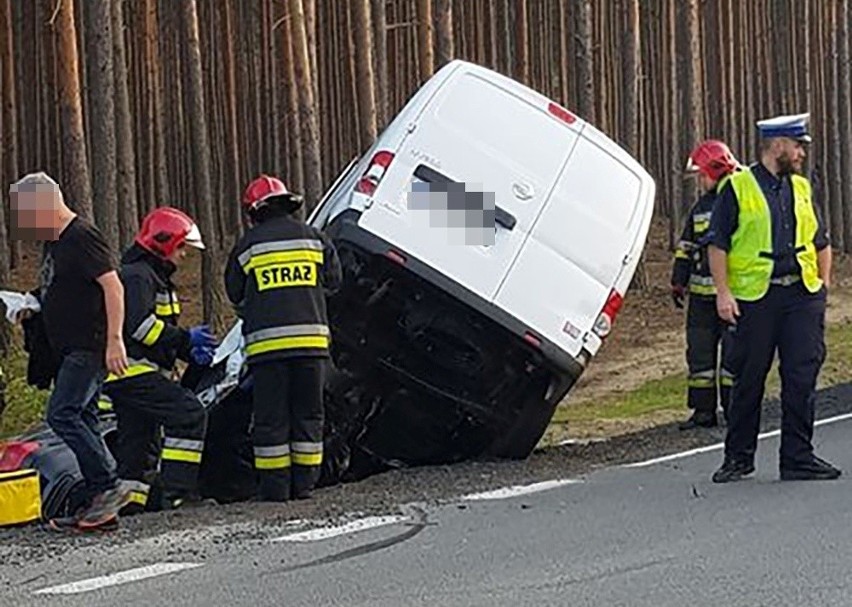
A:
<point x="732" y="470"/>
<point x="815" y="470"/>
<point x="105" y="506"/>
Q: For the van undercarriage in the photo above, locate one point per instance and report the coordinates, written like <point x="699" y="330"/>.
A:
<point x="419" y="377"/>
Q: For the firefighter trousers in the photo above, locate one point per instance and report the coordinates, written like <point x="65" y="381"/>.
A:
<point x="288" y="426"/>
<point x="158" y="419"/>
<point x="707" y="353"/>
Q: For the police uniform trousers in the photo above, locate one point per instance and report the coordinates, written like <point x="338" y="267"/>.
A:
<point x="791" y="320"/>
<point x="709" y="381"/>
<point x="288" y="425"/>
<point x="158" y="419"/>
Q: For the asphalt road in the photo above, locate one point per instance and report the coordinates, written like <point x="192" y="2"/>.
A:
<point x="658" y="535"/>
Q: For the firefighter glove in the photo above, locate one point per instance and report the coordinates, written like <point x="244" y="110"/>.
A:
<point x="678" y="295"/>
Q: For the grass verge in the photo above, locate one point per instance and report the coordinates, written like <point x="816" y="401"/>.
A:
<point x="661" y="400"/>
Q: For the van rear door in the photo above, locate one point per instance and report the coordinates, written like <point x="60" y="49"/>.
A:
<point x="589" y="235"/>
<point x="480" y="132"/>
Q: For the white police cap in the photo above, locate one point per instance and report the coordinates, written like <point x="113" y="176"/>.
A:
<point x="794" y="126"/>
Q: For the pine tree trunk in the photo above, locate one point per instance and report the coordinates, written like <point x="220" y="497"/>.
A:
<point x="835" y="173"/>
<point x="296" y="162"/>
<point x="425" y="44"/>
<point x="128" y="209"/>
<point x="585" y="62"/>
<point x="845" y="120"/>
<point x="211" y="269"/>
<point x="307" y="106"/>
<point x="8" y="147"/>
<point x="75" y="180"/>
<point x="444" y="32"/>
<point x="380" y="36"/>
<point x="364" y="72"/>
<point x="522" y="51"/>
<point x="102" y="85"/>
<point x="631" y="62"/>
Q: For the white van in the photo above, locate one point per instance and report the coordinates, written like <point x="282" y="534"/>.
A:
<point x="479" y="331"/>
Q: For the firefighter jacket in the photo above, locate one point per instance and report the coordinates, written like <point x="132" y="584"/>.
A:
<point x="151" y="311"/>
<point x="276" y="276"/>
<point x="691" y="265"/>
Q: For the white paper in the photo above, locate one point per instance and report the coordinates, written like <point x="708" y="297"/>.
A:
<point x="16" y="302"/>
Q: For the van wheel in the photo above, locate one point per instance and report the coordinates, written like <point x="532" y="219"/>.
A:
<point x="518" y="441"/>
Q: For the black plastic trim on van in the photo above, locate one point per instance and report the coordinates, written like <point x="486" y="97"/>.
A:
<point x="430" y="175"/>
<point x="345" y="227"/>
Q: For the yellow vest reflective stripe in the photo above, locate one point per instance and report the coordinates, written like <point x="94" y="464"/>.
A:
<point x="136" y="368"/>
<point x="751" y="257"/>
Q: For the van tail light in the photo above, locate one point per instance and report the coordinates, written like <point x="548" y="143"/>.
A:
<point x="13" y="454"/>
<point x="603" y="325"/>
<point x="375" y="171"/>
<point x="395" y="257"/>
<point x="560" y="112"/>
<point x="532" y="340"/>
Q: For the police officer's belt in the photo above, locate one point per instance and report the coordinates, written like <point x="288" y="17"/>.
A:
<point x="785" y="281"/>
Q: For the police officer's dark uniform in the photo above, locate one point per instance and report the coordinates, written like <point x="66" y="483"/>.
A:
<point x="151" y="409"/>
<point x="771" y="231"/>
<point x="709" y="382"/>
<point x="275" y="277"/>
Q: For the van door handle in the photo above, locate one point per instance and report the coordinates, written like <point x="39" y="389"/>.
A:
<point x="504" y="218"/>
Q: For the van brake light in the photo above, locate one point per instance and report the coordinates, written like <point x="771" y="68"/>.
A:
<point x="561" y="113"/>
<point x="603" y="325"/>
<point x="375" y="171"/>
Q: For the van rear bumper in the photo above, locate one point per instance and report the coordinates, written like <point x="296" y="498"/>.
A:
<point x="345" y="227"/>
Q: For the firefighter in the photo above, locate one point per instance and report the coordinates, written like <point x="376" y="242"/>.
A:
<point x="771" y="261"/>
<point x="275" y="278"/>
<point x="709" y="382"/>
<point x="150" y="407"/>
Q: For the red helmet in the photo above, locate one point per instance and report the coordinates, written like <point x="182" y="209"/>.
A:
<point x="265" y="188"/>
<point x="713" y="158"/>
<point x="165" y="229"/>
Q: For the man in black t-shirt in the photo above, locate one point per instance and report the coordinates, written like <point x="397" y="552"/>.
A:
<point x="82" y="305"/>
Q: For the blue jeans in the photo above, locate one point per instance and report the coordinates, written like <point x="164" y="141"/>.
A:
<point x="72" y="412"/>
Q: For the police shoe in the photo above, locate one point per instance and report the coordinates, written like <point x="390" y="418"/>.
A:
<point x="732" y="470"/>
<point x="700" y="419"/>
<point x="815" y="470"/>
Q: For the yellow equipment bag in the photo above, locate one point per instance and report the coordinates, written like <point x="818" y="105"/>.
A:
<point x="20" y="497"/>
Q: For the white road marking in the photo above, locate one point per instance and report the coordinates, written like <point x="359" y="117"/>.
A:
<point x="122" y="577"/>
<point x="324" y="533"/>
<point x="516" y="490"/>
<point x="719" y="446"/>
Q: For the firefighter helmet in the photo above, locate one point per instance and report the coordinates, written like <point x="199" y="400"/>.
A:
<point x="264" y="189"/>
<point x="166" y="229"/>
<point x="712" y="158"/>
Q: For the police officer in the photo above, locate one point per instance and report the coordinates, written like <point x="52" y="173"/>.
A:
<point x="709" y="382"/>
<point x="275" y="277"/>
<point x="771" y="263"/>
<point x="146" y="401"/>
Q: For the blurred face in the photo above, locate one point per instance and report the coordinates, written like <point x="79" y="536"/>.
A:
<point x="34" y="212"/>
<point x="790" y="155"/>
<point x="706" y="182"/>
<point x="179" y="255"/>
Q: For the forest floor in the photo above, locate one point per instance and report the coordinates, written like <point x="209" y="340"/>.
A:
<point x="637" y="380"/>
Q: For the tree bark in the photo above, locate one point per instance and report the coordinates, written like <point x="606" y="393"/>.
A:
<point x="444" y="32"/>
<point x="211" y="268"/>
<point x="845" y="120"/>
<point x="364" y="72"/>
<point x="8" y="146"/>
<point x="425" y="44"/>
<point x="307" y="106"/>
<point x="631" y="64"/>
<point x="128" y="210"/>
<point x="522" y="51"/>
<point x="296" y="162"/>
<point x="99" y="44"/>
<point x="75" y="181"/>
<point x="585" y="62"/>
<point x="380" y="37"/>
